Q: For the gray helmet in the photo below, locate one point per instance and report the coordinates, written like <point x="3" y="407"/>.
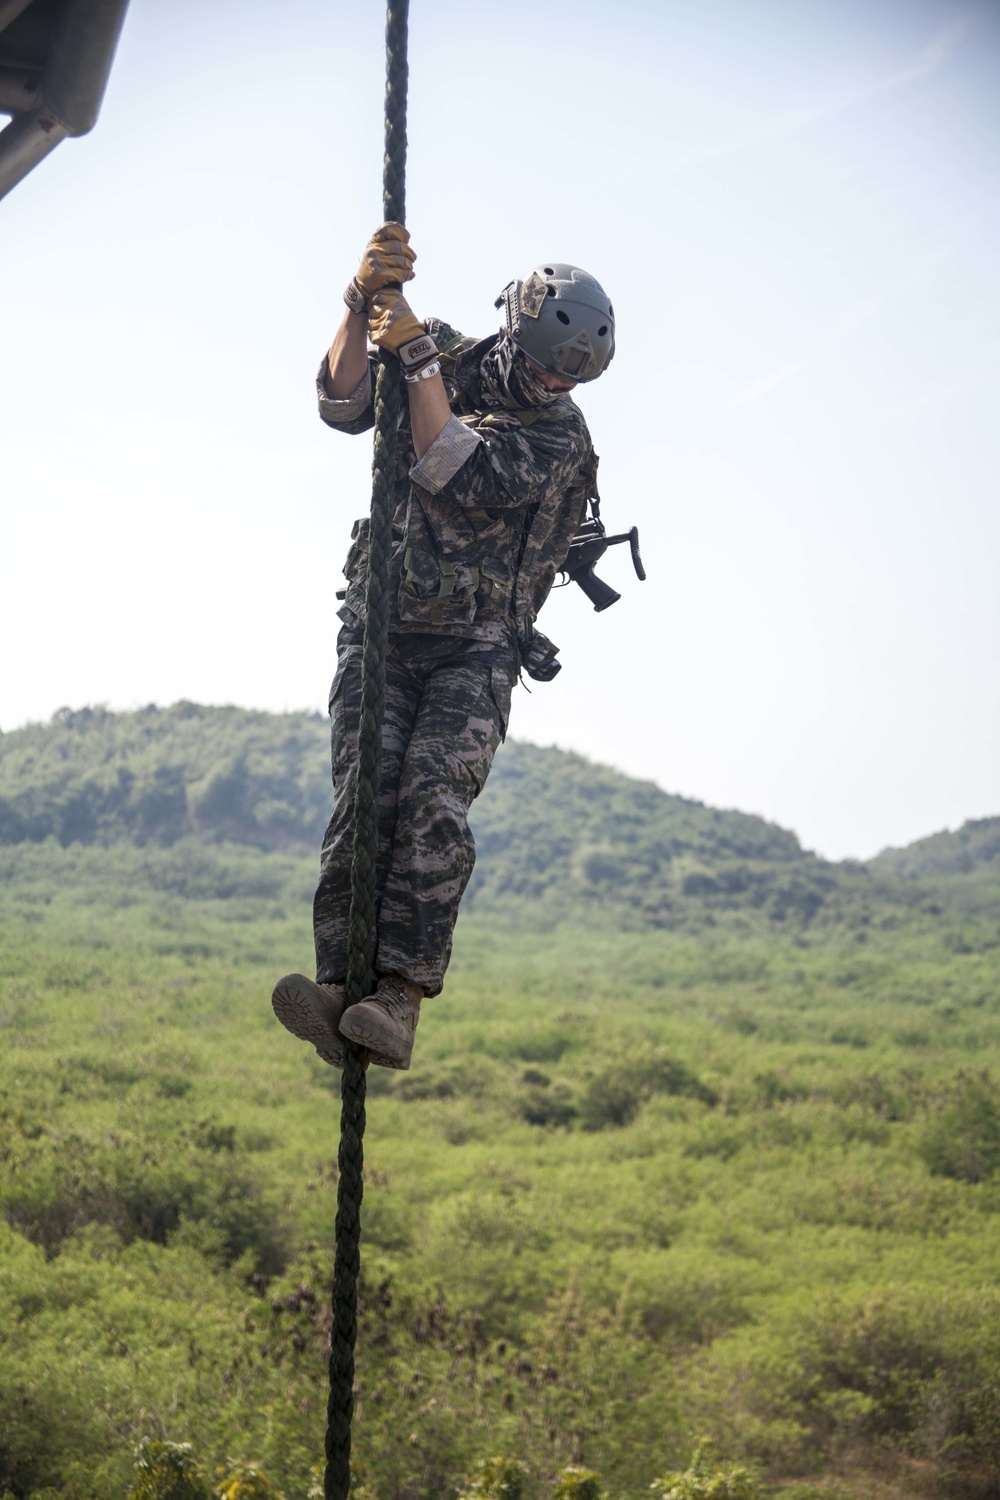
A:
<point x="561" y="317"/>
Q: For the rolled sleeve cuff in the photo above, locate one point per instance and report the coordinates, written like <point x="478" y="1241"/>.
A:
<point x="452" y="447"/>
<point x="339" y="412"/>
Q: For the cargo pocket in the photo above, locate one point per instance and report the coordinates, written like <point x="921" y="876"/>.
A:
<point x="354" y="603"/>
<point x="501" y="687"/>
<point x="344" y="707"/>
<point x="356" y="573"/>
<point x="336" y="685"/>
<point x="436" y="591"/>
<point x="356" y="565"/>
<point x="495" y="580"/>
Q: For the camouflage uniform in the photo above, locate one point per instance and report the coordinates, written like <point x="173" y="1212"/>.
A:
<point x="482" y="524"/>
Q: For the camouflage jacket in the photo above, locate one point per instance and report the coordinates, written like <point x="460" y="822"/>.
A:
<point x="484" y="520"/>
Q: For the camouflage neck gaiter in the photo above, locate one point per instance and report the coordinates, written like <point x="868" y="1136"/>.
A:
<point x="509" y="381"/>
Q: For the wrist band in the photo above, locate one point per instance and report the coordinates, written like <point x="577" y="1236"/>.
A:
<point x="355" y="298"/>
<point x="434" y="368"/>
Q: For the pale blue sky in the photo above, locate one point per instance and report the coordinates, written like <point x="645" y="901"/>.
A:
<point x="794" y="207"/>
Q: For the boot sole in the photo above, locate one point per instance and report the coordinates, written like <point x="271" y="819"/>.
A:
<point x="385" y="1051"/>
<point x="299" y="1013"/>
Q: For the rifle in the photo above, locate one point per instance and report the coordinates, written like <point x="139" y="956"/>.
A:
<point x="585" y="552"/>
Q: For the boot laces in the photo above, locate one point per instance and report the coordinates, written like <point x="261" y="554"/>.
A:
<point x="392" y="997"/>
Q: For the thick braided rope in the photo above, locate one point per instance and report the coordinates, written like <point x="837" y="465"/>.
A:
<point x="389" y="397"/>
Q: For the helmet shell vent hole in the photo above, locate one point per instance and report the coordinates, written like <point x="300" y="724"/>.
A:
<point x="602" y="330"/>
<point x="563" y="317"/>
<point x="549" y="271"/>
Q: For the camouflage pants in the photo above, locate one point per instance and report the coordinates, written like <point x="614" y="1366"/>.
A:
<point x="446" y="707"/>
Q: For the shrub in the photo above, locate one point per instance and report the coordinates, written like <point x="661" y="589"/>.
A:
<point x="883" y="1350"/>
<point x="547" y="1106"/>
<point x="143" y="1189"/>
<point x="496" y="1479"/>
<point x="914" y="1368"/>
<point x="247" y="1481"/>
<point x="615" y="1097"/>
<point x="963" y="1140"/>
<point x="48" y="1424"/>
<point x="705" y="1479"/>
<point x="577" y="1484"/>
<point x="610" y="1099"/>
<point x="167" y="1471"/>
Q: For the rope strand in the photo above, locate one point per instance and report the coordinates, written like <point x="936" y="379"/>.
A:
<point x="388" y="406"/>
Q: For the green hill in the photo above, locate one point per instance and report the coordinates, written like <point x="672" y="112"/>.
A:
<point x="158" y="775"/>
<point x="559" y="839"/>
<point x="970" y="848"/>
<point x="562" y="839"/>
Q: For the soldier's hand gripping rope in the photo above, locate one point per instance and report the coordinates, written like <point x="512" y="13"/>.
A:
<point x="395" y="328"/>
<point x="387" y="261"/>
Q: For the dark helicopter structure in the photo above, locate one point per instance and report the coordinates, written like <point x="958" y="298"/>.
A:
<point x="55" y="59"/>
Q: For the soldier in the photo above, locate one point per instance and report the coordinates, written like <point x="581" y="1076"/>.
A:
<point x="494" y="470"/>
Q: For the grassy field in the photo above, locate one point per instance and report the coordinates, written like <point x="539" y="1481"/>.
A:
<point x="638" y="1188"/>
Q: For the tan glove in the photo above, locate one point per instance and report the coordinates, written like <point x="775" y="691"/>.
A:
<point x="395" y="328"/>
<point x="387" y="260"/>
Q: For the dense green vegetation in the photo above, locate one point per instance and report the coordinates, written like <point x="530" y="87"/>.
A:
<point x="727" y="1165"/>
